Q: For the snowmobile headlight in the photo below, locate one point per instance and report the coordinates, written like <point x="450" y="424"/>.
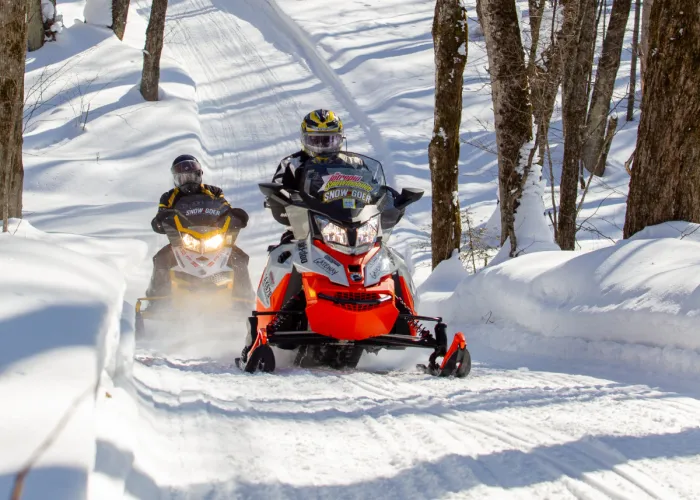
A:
<point x="332" y="233"/>
<point x="213" y="243"/>
<point x="367" y="232"/>
<point x="190" y="242"/>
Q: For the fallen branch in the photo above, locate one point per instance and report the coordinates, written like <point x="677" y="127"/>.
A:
<point x="48" y="441"/>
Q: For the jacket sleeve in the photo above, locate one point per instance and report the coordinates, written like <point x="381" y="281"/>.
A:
<point x="288" y="172"/>
<point x="163" y="206"/>
<point x="279" y="173"/>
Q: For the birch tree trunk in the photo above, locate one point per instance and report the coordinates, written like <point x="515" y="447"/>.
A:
<point x="120" y="11"/>
<point x="450" y="39"/>
<point x="665" y="182"/>
<point x="608" y="65"/>
<point x="13" y="44"/>
<point x="577" y="49"/>
<point x="511" y="105"/>
<point x="151" y="53"/>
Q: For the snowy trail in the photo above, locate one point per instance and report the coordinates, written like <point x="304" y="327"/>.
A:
<point x="208" y="431"/>
<point x="323" y="434"/>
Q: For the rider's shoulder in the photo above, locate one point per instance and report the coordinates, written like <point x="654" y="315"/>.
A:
<point x="215" y="190"/>
<point x="167" y="195"/>
<point x="295" y="159"/>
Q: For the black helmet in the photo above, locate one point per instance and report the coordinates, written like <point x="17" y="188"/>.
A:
<point x="187" y="172"/>
<point x="321" y="133"/>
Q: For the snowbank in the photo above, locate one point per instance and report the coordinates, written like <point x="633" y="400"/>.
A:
<point x="641" y="291"/>
<point x="98" y="12"/>
<point x="60" y="314"/>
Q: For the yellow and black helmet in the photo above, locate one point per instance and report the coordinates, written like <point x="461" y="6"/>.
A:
<point x="321" y="133"/>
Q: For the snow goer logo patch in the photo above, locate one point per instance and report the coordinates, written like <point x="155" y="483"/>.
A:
<point x="338" y="180"/>
<point x="345" y="194"/>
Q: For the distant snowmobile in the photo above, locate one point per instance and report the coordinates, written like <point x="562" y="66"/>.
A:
<point x="338" y="289"/>
<point x="211" y="274"/>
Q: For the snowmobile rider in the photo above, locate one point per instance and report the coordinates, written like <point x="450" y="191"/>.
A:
<point x="321" y="140"/>
<point x="187" y="177"/>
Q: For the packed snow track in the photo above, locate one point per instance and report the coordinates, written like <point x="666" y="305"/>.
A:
<point x="517" y="427"/>
<point x="212" y="432"/>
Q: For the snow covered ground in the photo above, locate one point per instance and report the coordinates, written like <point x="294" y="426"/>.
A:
<point x="542" y="415"/>
<point x="61" y="341"/>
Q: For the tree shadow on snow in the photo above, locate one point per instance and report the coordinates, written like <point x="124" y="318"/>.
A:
<point x="48" y="482"/>
<point x="509" y="469"/>
<point x="57" y="326"/>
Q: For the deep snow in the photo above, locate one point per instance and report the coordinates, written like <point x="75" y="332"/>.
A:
<point x="549" y="419"/>
<point x="60" y="315"/>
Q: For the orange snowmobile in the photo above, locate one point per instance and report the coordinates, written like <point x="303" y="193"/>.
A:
<point x="337" y="290"/>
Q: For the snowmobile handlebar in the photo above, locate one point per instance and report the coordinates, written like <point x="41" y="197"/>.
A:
<point x="401" y="200"/>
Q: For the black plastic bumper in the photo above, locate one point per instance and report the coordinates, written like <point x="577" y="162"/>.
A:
<point x="388" y="340"/>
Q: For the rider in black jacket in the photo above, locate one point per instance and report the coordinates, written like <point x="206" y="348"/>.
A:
<point x="187" y="176"/>
<point x="321" y="140"/>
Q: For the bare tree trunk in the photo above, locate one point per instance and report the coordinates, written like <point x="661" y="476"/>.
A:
<point x="17" y="173"/>
<point x="545" y="81"/>
<point x="644" y="39"/>
<point x="511" y="105"/>
<point x="577" y="49"/>
<point x="604" y="85"/>
<point x="633" y="68"/>
<point x="450" y="39"/>
<point x="151" y="53"/>
<point x="536" y="10"/>
<point x="35" y="30"/>
<point x="120" y="11"/>
<point x="13" y="44"/>
<point x="665" y="182"/>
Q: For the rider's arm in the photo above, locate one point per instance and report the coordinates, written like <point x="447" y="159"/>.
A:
<point x="166" y="202"/>
<point x="279" y="173"/>
<point x="289" y="170"/>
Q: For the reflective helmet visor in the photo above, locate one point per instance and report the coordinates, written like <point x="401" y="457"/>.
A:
<point x="186" y="172"/>
<point x="322" y="143"/>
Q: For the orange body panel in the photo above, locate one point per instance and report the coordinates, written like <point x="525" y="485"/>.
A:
<point x="349" y="321"/>
<point x="459" y="342"/>
<point x="343" y="321"/>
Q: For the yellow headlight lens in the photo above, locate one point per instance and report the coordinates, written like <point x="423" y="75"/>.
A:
<point x="190" y="242"/>
<point x="213" y="243"/>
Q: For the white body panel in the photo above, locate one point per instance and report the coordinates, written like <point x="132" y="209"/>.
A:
<point x="307" y="258"/>
<point x="215" y="263"/>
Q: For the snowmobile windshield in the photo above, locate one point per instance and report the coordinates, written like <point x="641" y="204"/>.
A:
<point x="200" y="224"/>
<point x="201" y="211"/>
<point x="343" y="186"/>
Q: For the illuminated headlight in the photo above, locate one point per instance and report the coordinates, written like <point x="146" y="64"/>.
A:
<point x="367" y="232"/>
<point x="190" y="242"/>
<point x="332" y="233"/>
<point x="213" y="243"/>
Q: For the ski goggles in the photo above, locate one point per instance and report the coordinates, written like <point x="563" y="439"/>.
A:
<point x="323" y="143"/>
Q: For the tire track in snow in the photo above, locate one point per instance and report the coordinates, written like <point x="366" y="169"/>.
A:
<point x="323" y="70"/>
<point x="601" y="458"/>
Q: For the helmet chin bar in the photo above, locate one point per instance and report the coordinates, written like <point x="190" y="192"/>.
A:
<point x="189" y="188"/>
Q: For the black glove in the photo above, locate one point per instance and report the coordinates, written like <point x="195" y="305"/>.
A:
<point x="157" y="222"/>
<point x="163" y="214"/>
<point x="239" y="217"/>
